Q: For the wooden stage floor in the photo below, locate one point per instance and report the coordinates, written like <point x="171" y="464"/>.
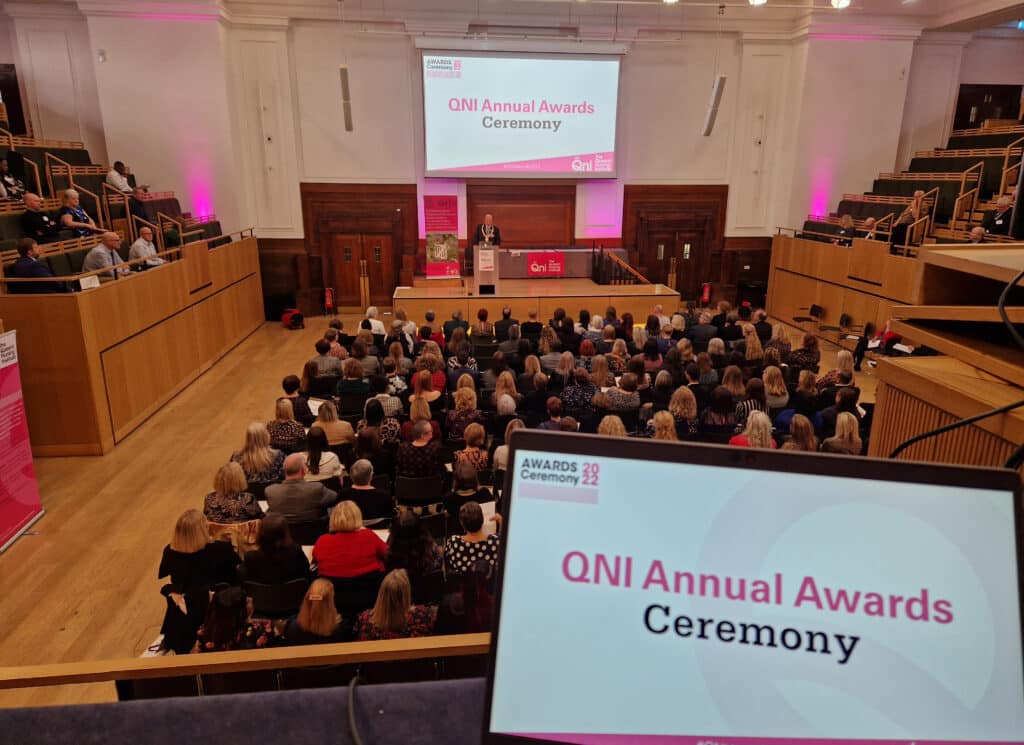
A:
<point x="540" y="295"/>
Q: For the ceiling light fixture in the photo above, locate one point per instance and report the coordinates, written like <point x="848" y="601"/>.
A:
<point x="840" y="4"/>
<point x="758" y="2"/>
<point x="670" y="2"/>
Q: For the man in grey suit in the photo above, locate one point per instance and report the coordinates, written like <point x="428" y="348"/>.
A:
<point x="297" y="499"/>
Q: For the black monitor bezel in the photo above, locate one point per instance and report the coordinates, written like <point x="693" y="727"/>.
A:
<point x="868" y="469"/>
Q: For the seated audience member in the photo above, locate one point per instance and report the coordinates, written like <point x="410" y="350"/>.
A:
<point x="396" y="353"/>
<point x="423" y="389"/>
<point x="846" y="439"/>
<point x="474" y="453"/>
<point x="482" y="327"/>
<point x="104" y="255"/>
<point x="29" y="266"/>
<point x="376" y="325"/>
<point x="353" y="382"/>
<point x="624" y="397"/>
<point x="285" y="432"/>
<point x="801" y="435"/>
<point x="532" y="327"/>
<point x="702" y="332"/>
<point x="869" y="232"/>
<point x="861" y="350"/>
<point x="531" y="367"/>
<point x="663" y="426"/>
<point x="624" y="330"/>
<point x="338" y="431"/>
<point x="431" y="361"/>
<point x="720" y="416"/>
<point x="422" y="456"/>
<point x="683" y="409"/>
<point x="297" y="499"/>
<point x="501" y="452"/>
<point x="386" y="428"/>
<point x="462" y="364"/>
<point x="308" y="378"/>
<point x="260" y="462"/>
<point x="550" y="359"/>
<point x="911" y="213"/>
<point x="396" y="383"/>
<point x="716" y="351"/>
<point x="317" y="621"/>
<point x="536" y="398"/>
<point x="336" y="350"/>
<point x="758" y="432"/>
<point x="977" y="235"/>
<point x="394" y="616"/>
<point x="594" y="331"/>
<point x="601" y="374"/>
<point x="462" y="552"/>
<point x="391" y="406"/>
<point x="506" y="412"/>
<point x="652" y="357"/>
<point x="554" y="410"/>
<point x="367" y="359"/>
<point x="678" y="327"/>
<point x="509" y="345"/>
<point x="412" y="548"/>
<point x="11" y="186"/>
<point x="368" y="447"/>
<point x="228" y="625"/>
<point x="764" y="329"/>
<point x="300" y="404"/>
<point x="326" y="364"/>
<point x="564" y="372"/>
<point x="419" y="411"/>
<point x="194" y="564"/>
<point x="117" y="178"/>
<point x="468" y="607"/>
<point x="844" y="364"/>
<point x="700" y="392"/>
<point x="660" y="393"/>
<point x="997" y="221"/>
<point x="373" y="503"/>
<point x="73" y="216"/>
<point x="846" y="400"/>
<point x="732" y="378"/>
<point x="753" y="400"/>
<point x="501" y="327"/>
<point x="464" y="413"/>
<point x="144" y="248"/>
<point x="278" y="559"/>
<point x="776" y="395"/>
<point x="37" y="224"/>
<point x="708" y="373"/>
<point x="489" y="377"/>
<point x="612" y="426"/>
<point x="349" y="550"/>
<point x="436" y="333"/>
<point x="607" y="341"/>
<point x="321" y="463"/>
<point x="805" y="397"/>
<point x="587" y="354"/>
<point x="808" y="356"/>
<point x="732" y="331"/>
<point x="685" y="349"/>
<point x="846" y="233"/>
<point x="456" y="322"/>
<point x="580" y="394"/>
<point x="751" y="347"/>
<point x="137" y="208"/>
<point x="465" y="488"/>
<point x="229" y="502"/>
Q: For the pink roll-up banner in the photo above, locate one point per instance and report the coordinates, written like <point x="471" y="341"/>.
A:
<point x="19" y="492"/>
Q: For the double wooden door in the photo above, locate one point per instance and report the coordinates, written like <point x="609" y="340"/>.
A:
<point x="361" y="269"/>
<point x="659" y="245"/>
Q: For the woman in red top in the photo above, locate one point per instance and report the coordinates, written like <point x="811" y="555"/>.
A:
<point x="758" y="433"/>
<point x="349" y="550"/>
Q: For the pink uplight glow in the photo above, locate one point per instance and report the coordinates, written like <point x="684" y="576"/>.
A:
<point x="821" y="185"/>
<point x="602" y="209"/>
<point x="199" y="177"/>
<point x="439" y="187"/>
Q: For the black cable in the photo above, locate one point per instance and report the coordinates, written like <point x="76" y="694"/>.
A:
<point x="1019" y="453"/>
<point x="352" y="727"/>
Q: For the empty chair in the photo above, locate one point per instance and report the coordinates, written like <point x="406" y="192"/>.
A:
<point x="352" y="595"/>
<point x="276" y="601"/>
<point x="323" y="386"/>
<point x="306" y="532"/>
<point x="418" y="491"/>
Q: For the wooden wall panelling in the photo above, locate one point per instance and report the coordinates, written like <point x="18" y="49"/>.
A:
<point x="279" y="258"/>
<point x="529" y="213"/>
<point x="196" y="257"/>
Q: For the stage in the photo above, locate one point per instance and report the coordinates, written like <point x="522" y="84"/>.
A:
<point x="443" y="296"/>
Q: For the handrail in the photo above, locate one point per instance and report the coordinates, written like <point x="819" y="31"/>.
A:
<point x="178" y="225"/>
<point x="101" y="213"/>
<point x="139" y="668"/>
<point x="1007" y="180"/>
<point x="57" y="247"/>
<point x="158" y="233"/>
<point x="94" y="272"/>
<point x="623" y="265"/>
<point x="107" y="189"/>
<point x="18" y="207"/>
<point x="980" y="167"/>
<point x="926" y="176"/>
<point x="977" y="152"/>
<point x="984" y="130"/>
<point x="914" y="230"/>
<point x="970" y="197"/>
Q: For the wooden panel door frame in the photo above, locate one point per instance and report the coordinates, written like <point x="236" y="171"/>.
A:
<point x="487" y="195"/>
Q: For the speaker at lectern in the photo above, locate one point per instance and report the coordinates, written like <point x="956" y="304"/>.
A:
<point x="485" y="270"/>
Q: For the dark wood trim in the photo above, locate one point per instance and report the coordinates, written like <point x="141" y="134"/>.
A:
<point x="530" y="212"/>
<point x="748" y="243"/>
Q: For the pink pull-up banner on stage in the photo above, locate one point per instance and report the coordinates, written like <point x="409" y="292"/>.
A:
<point x="19" y="492"/>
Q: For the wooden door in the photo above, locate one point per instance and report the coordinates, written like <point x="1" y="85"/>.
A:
<point x="976" y="103"/>
<point x="378" y="253"/>
<point x="656" y="254"/>
<point x="692" y="268"/>
<point x="343" y="256"/>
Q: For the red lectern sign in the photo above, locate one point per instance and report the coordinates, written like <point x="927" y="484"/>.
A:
<point x="19" y="493"/>
<point x="440" y="214"/>
<point x="545" y="264"/>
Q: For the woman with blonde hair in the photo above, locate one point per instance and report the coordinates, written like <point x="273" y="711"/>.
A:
<point x="349" y="550"/>
<point x="548" y="338"/>
<point x="758" y="433"/>
<point x="531" y="368"/>
<point x="801" y="435"/>
<point x="393" y="615"/>
<point x="604" y="346"/>
<point x="286" y="433"/>
<point x="776" y="395"/>
<point x="338" y="431"/>
<point x="683" y="408"/>
<point x="402" y="363"/>
<point x="805" y="398"/>
<point x="612" y="426"/>
<point x="753" y="351"/>
<point x="474" y="452"/>
<point x="685" y="347"/>
<point x="780" y="341"/>
<point x="260" y="462"/>
<point x="618" y="358"/>
<point x="230" y="502"/>
<point x="846" y="440"/>
<point x="732" y="379"/>
<point x="194" y="564"/>
<point x="506" y="386"/>
<point x="501" y="452"/>
<point x="465" y="412"/>
<point x="564" y="372"/>
<point x="419" y="411"/>
<point x="317" y="621"/>
<point x="844" y="364"/>
<point x="600" y="375"/>
<point x="664" y="426"/>
<point x="716" y="350"/>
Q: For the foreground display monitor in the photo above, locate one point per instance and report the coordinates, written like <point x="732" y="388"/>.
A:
<point x="664" y="593"/>
<point x="520" y="115"/>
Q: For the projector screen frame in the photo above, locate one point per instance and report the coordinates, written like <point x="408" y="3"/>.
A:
<point x="821" y="464"/>
<point x="482" y="52"/>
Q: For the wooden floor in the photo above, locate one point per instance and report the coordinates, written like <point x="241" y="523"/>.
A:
<point x="83" y="585"/>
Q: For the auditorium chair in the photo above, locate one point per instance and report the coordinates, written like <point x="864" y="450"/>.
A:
<point x="353" y="595"/>
<point x="630" y="418"/>
<point x="351" y="403"/>
<point x="418" y="491"/>
<point x="323" y="386"/>
<point x="276" y="601"/>
<point x="306" y="532"/>
<point x="436" y="525"/>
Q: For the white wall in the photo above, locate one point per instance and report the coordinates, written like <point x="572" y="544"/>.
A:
<point x="994" y="60"/>
<point x="165" y="101"/>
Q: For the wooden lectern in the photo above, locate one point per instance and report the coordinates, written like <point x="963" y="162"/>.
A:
<point x="485" y="270"/>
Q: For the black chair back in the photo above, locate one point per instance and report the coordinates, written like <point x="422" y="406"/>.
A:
<point x="437" y="525"/>
<point x="322" y="676"/>
<point x="351" y="403"/>
<point x="276" y="601"/>
<point x="323" y="386"/>
<point x="630" y="418"/>
<point x="249" y="681"/>
<point x="257" y="488"/>
<point x="418" y="491"/>
<point x="353" y="595"/>
<point x="305" y="533"/>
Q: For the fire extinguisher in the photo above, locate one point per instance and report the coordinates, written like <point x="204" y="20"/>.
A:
<point x="705" y="293"/>
<point x="329" y="309"/>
